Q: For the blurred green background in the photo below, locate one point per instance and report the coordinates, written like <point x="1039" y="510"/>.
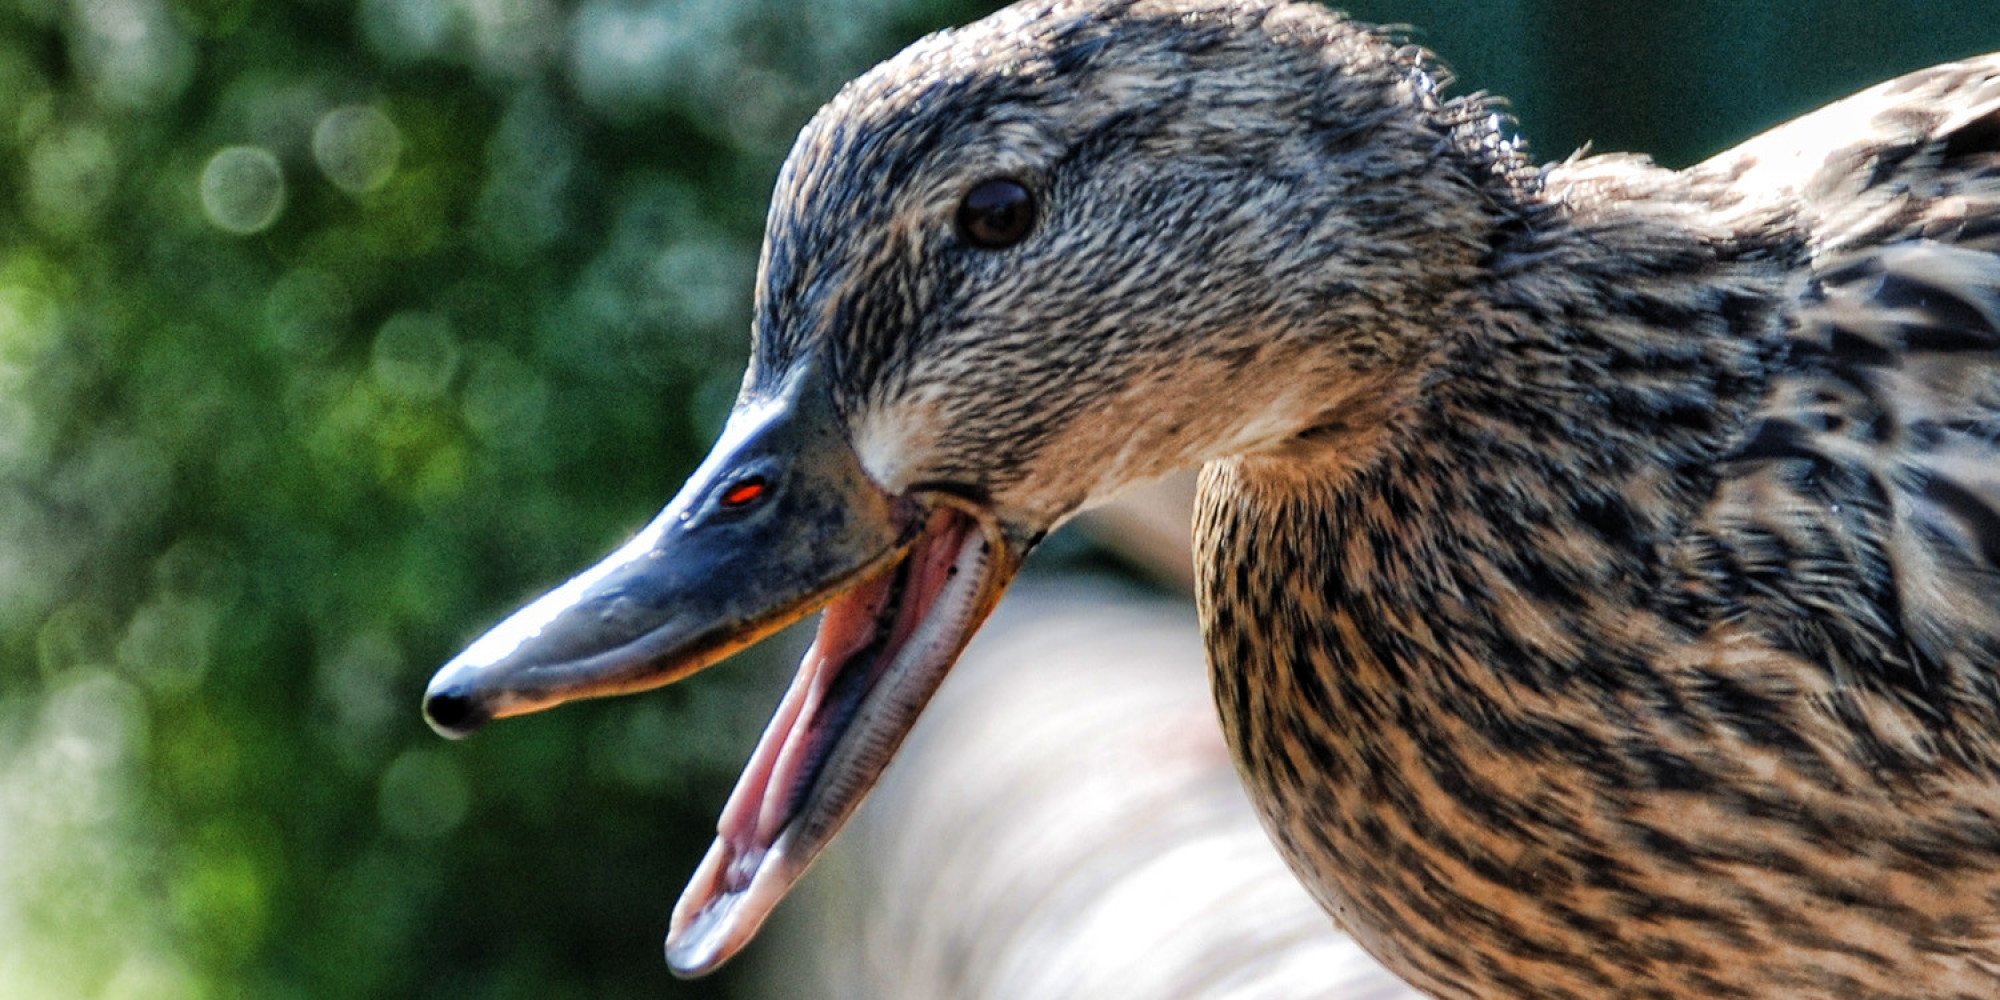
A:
<point x="329" y="332"/>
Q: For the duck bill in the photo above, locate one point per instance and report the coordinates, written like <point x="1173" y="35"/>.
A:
<point x="780" y="521"/>
<point x="882" y="648"/>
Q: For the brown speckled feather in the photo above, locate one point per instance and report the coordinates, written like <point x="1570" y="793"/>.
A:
<point x="1656" y="653"/>
<point x="1600" y="564"/>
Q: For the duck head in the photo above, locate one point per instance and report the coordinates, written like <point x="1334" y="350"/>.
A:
<point x="1013" y="271"/>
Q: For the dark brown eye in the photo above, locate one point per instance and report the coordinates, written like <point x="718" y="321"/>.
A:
<point x="996" y="213"/>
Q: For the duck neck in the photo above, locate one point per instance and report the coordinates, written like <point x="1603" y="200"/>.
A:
<point x="1536" y="481"/>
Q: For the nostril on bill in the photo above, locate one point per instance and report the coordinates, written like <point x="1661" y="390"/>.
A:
<point x="453" y="714"/>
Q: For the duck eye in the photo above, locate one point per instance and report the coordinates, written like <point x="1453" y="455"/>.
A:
<point x="996" y="213"/>
<point x="742" y="493"/>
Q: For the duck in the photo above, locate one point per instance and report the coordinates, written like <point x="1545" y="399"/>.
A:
<point x="1598" y="564"/>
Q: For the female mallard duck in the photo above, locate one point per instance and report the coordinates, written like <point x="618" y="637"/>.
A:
<point x="1600" y="564"/>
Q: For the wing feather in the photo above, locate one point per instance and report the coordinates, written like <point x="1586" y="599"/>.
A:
<point x="1871" y="477"/>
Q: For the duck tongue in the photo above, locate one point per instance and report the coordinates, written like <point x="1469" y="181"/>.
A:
<point x="881" y="651"/>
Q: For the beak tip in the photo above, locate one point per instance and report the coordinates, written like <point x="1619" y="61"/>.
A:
<point x="685" y="966"/>
<point x="695" y="952"/>
<point x="454" y="715"/>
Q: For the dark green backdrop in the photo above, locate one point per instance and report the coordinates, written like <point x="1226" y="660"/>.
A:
<point x="328" y="333"/>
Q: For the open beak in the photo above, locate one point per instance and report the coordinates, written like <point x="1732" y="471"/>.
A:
<point x="780" y="521"/>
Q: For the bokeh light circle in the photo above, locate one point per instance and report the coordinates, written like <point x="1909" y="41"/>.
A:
<point x="415" y="355"/>
<point x="357" y="147"/>
<point x="242" y="189"/>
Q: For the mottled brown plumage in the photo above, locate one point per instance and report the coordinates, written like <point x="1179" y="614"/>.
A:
<point x="1600" y="564"/>
<point x="1651" y="648"/>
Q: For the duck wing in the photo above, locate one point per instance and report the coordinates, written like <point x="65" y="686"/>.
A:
<point x="1859" y="522"/>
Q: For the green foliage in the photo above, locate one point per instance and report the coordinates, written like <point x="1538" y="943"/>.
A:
<point x="329" y="332"/>
<point x="326" y="333"/>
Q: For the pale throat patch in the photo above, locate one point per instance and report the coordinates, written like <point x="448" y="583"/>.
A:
<point x="893" y="442"/>
<point x="898" y="444"/>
